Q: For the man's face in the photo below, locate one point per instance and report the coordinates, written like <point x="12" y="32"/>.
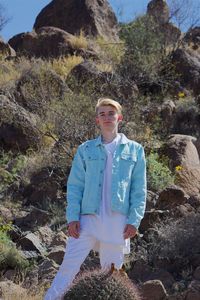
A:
<point x="108" y="118"/>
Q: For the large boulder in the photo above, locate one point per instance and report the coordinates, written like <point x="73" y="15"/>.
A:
<point x="184" y="159"/>
<point x="6" y="50"/>
<point x="18" y="128"/>
<point x="159" y="10"/>
<point x="48" y="42"/>
<point x="187" y="65"/>
<point x="193" y="37"/>
<point x="92" y="17"/>
<point x="181" y="151"/>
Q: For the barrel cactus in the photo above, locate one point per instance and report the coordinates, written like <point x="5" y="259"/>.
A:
<point x="101" y="285"/>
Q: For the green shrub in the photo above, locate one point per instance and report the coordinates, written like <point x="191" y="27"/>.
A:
<point x="146" y="60"/>
<point x="159" y="175"/>
<point x="10" y="257"/>
<point x="10" y="168"/>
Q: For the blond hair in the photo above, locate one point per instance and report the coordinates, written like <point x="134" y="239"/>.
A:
<point x="106" y="102"/>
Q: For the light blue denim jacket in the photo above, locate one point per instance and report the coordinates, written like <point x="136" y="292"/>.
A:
<point x="84" y="186"/>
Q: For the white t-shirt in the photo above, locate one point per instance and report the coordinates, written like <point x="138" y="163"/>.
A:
<point x="108" y="226"/>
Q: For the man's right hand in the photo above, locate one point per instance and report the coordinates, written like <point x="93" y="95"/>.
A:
<point x="74" y="229"/>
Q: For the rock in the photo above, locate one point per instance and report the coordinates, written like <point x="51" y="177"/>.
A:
<point x="193" y="37"/>
<point x="57" y="253"/>
<point x="181" y="151"/>
<point x="172" y="33"/>
<point x="47" y="269"/>
<point x="45" y="234"/>
<point x="159" y="10"/>
<point x="151" y="200"/>
<point x="153" y="290"/>
<point x="6" y="214"/>
<point x="187" y="65"/>
<point x="168" y="109"/>
<point x="59" y="239"/>
<point x="196" y="274"/>
<point x="18" y="128"/>
<point x="171" y="197"/>
<point x="151" y="218"/>
<point x="31" y="242"/>
<point x="193" y="292"/>
<point x="95" y="18"/>
<point x="6" y="50"/>
<point x="44" y="188"/>
<point x="189" y="179"/>
<point x="140" y="271"/>
<point x="48" y="42"/>
<point x="37" y="217"/>
<point x="186" y="120"/>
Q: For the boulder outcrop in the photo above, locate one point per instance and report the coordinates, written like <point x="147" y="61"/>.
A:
<point x="92" y="17"/>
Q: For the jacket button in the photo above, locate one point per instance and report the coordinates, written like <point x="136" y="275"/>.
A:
<point x="99" y="184"/>
<point x="101" y="171"/>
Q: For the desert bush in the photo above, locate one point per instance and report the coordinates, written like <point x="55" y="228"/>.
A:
<point x="102" y="285"/>
<point x="9" y="255"/>
<point x="11" y="167"/>
<point x="37" y="87"/>
<point x="11" y="258"/>
<point x="176" y="239"/>
<point x="111" y="53"/>
<point x="145" y="60"/>
<point x="186" y="119"/>
<point x="159" y="175"/>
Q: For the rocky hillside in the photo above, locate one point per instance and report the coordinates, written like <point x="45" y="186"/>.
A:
<point x="50" y="80"/>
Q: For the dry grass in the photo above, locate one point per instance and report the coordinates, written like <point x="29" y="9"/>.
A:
<point x="110" y="53"/>
<point x="79" y="41"/>
<point x="64" y="65"/>
<point x="18" y="293"/>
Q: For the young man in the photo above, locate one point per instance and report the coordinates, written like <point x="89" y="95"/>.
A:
<point x="106" y="196"/>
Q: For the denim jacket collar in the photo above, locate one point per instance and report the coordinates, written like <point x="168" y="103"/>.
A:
<point x="124" y="140"/>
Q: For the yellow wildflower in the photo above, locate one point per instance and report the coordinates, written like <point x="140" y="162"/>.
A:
<point x="181" y="94"/>
<point x="179" y="168"/>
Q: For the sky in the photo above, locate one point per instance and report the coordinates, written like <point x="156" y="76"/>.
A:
<point x="22" y="13"/>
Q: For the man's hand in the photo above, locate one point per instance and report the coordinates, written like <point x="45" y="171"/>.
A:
<point x="74" y="229"/>
<point x="129" y="231"/>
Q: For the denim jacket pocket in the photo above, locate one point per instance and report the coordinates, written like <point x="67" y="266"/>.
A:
<point x="129" y="157"/>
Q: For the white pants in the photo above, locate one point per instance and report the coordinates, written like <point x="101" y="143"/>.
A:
<point x="76" y="252"/>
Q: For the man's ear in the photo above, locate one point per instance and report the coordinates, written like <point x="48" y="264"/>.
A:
<point x="97" y="120"/>
<point x="120" y="118"/>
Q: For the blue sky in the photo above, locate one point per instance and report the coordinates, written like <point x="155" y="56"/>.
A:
<point x="24" y="12"/>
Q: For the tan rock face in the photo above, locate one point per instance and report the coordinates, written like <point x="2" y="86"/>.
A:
<point x="47" y="42"/>
<point x="18" y="128"/>
<point x="159" y="10"/>
<point x="188" y="67"/>
<point x="189" y="179"/>
<point x="181" y="151"/>
<point x="92" y="17"/>
<point x="184" y="158"/>
<point x="153" y="290"/>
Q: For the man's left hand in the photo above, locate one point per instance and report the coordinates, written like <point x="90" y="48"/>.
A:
<point x="129" y="231"/>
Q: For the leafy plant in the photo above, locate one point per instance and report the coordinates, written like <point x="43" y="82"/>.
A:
<point x="159" y="175"/>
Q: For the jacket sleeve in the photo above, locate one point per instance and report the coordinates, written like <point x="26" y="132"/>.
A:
<point x="75" y="187"/>
<point x="138" y="190"/>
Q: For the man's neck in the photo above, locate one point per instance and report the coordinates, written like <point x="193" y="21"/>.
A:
<point x="108" y="137"/>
